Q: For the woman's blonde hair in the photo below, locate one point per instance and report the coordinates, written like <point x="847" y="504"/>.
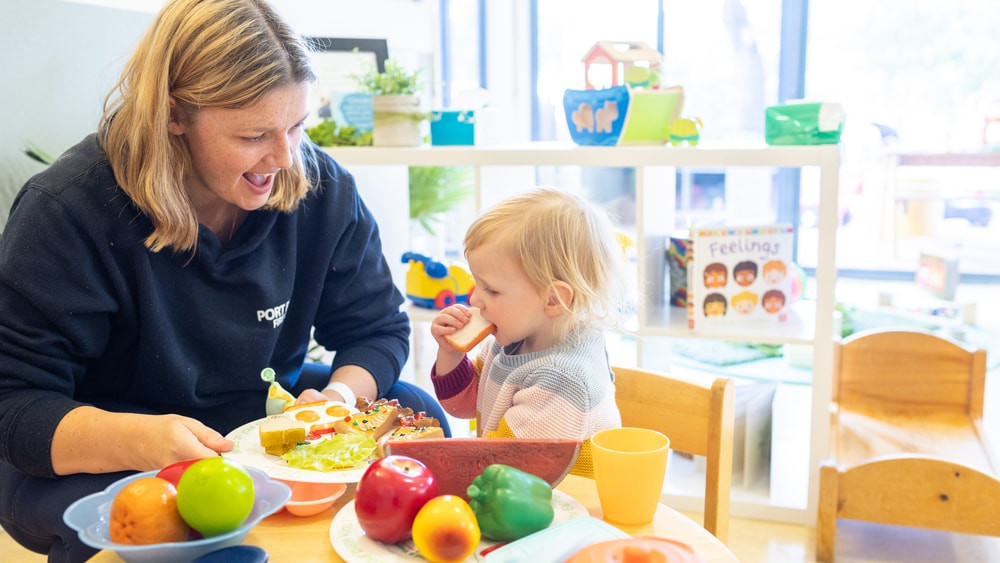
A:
<point x="555" y="236"/>
<point x="202" y="53"/>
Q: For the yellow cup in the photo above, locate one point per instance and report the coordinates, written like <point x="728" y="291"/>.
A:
<point x="629" y="467"/>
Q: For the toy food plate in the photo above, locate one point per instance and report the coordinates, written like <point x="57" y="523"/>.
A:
<point x="351" y="543"/>
<point x="640" y="548"/>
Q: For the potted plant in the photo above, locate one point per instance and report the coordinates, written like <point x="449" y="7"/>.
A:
<point x="395" y="104"/>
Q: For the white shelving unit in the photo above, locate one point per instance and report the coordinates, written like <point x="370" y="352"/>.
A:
<point x="654" y="166"/>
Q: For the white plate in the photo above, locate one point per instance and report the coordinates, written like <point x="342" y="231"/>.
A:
<point x="248" y="451"/>
<point x="351" y="543"/>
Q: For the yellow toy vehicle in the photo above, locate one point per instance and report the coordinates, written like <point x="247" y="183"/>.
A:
<point x="433" y="285"/>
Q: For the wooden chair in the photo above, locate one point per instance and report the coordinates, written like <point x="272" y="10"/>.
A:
<point x="907" y="445"/>
<point x="698" y="417"/>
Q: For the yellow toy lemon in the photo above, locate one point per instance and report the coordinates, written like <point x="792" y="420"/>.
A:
<point x="445" y="530"/>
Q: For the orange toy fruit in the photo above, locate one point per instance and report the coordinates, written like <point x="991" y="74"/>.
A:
<point x="145" y="512"/>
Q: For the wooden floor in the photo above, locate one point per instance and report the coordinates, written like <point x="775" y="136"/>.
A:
<point x="755" y="541"/>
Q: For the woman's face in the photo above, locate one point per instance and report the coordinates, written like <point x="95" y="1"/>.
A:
<point x="235" y="153"/>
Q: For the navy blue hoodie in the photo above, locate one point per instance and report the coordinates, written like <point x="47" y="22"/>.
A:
<point x="90" y="315"/>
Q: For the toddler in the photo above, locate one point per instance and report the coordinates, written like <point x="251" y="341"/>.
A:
<point x="548" y="273"/>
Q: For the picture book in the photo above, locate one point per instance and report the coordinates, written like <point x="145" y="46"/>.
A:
<point x="739" y="274"/>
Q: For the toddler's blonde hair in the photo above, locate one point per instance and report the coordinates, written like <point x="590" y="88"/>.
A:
<point x="555" y="236"/>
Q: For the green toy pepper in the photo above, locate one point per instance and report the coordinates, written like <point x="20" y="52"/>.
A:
<point x="510" y="503"/>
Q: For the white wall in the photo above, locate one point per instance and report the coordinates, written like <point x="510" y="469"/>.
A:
<point x="58" y="59"/>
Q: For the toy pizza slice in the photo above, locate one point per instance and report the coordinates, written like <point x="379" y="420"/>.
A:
<point x="409" y="433"/>
<point x="376" y="420"/>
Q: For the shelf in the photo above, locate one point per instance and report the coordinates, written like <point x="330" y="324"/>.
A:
<point x="567" y="154"/>
<point x="671" y="322"/>
<point x="800" y="328"/>
<point x="991" y="159"/>
<point x="781" y="503"/>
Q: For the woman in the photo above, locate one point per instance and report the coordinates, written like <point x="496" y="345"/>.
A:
<point x="151" y="273"/>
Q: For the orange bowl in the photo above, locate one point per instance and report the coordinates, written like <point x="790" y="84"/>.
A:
<point x="309" y="499"/>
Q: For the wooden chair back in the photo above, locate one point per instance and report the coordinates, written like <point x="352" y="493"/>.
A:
<point x="698" y="415"/>
<point x="908" y="371"/>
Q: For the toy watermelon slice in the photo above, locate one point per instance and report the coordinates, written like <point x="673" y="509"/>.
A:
<point x="455" y="462"/>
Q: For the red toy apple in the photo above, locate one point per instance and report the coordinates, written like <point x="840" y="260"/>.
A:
<point x="390" y="493"/>
<point x="174" y="471"/>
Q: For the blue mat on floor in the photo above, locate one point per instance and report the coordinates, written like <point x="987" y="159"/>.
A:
<point x="723" y="353"/>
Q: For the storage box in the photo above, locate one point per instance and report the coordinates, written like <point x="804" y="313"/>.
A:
<point x="453" y="128"/>
<point x="463" y="127"/>
<point x="803" y="123"/>
<point x="619" y="116"/>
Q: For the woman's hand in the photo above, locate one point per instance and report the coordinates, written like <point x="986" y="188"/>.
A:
<point x="357" y="381"/>
<point x="182" y="438"/>
<point x="91" y="440"/>
<point x="315" y="395"/>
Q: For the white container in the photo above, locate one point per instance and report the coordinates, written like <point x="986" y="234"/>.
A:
<point x="397" y="120"/>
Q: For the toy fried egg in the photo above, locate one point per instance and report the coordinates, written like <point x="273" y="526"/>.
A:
<point x="319" y="417"/>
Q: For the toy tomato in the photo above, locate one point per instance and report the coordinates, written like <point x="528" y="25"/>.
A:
<point x="390" y="493"/>
<point x="445" y="530"/>
<point x="215" y="495"/>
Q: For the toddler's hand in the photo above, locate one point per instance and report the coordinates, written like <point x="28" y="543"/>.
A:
<point x="447" y="322"/>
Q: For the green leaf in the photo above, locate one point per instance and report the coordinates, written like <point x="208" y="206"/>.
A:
<point x="36" y="153"/>
<point x="436" y="190"/>
<point x="394" y="81"/>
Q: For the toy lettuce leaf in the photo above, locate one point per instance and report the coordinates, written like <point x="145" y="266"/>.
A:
<point x="339" y="451"/>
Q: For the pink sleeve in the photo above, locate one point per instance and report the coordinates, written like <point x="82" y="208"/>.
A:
<point x="458" y="389"/>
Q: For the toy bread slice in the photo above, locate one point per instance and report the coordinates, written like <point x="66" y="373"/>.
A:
<point x="279" y="433"/>
<point x="472" y="333"/>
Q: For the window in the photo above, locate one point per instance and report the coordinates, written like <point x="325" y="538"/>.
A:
<point x="915" y="78"/>
<point x="461" y="51"/>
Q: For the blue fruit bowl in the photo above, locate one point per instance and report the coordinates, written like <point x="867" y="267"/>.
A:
<point x="89" y="516"/>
